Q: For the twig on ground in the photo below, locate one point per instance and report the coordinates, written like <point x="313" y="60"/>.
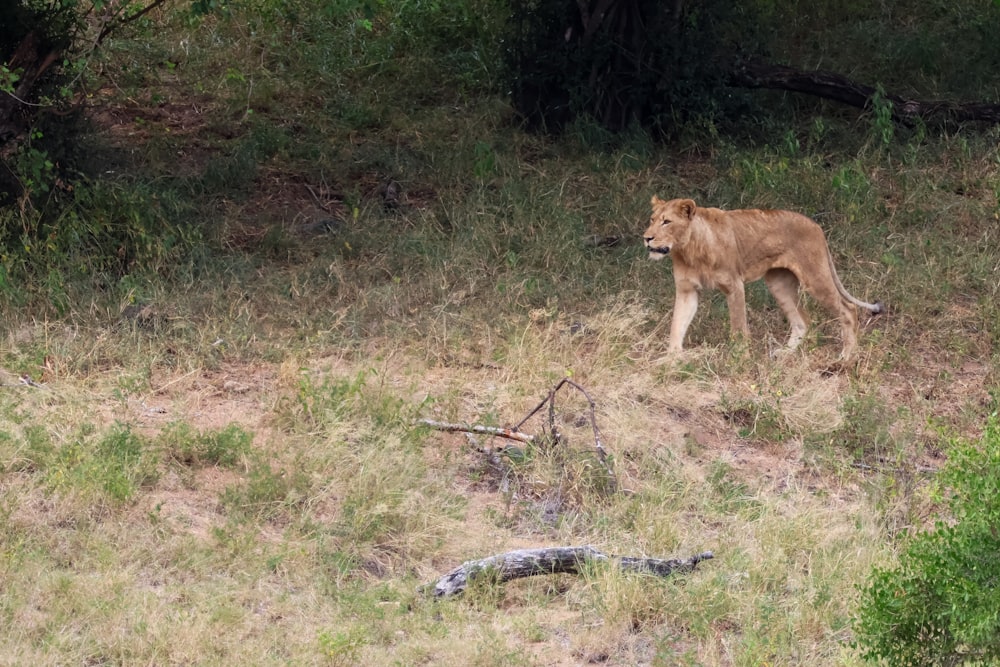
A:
<point x="26" y="380"/>
<point x="928" y="470"/>
<point x="510" y="434"/>
<point x="515" y="433"/>
<point x="531" y="562"/>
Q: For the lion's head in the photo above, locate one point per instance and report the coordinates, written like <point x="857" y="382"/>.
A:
<point x="669" y="226"/>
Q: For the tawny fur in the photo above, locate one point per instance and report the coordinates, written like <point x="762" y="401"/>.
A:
<point x="724" y="250"/>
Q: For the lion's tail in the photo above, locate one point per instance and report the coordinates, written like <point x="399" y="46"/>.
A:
<point x="873" y="308"/>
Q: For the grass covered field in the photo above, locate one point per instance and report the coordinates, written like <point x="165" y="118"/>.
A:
<point x="218" y="458"/>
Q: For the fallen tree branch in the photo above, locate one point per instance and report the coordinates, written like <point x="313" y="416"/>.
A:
<point x="531" y="562"/>
<point x="510" y="434"/>
<point x="515" y="433"/>
<point x="757" y="73"/>
<point x="884" y="469"/>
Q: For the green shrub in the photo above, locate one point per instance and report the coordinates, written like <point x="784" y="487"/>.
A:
<point x="940" y="604"/>
<point x="265" y="495"/>
<point x="227" y="448"/>
<point x="114" y="467"/>
<point x="92" y="237"/>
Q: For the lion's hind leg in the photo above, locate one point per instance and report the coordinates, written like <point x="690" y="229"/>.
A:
<point x="784" y="286"/>
<point x="826" y="293"/>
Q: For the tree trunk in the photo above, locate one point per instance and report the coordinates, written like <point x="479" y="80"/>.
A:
<point x="32" y="58"/>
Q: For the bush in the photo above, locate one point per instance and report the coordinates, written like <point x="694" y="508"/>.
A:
<point x="114" y="467"/>
<point x="941" y="604"/>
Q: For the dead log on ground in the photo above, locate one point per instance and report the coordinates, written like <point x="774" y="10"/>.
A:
<point x="553" y="560"/>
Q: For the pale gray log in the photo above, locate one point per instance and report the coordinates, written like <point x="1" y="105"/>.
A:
<point x="531" y="562"/>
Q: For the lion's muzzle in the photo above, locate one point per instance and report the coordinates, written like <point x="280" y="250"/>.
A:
<point x="656" y="252"/>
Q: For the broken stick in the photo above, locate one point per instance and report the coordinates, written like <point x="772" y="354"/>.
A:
<point x="530" y="562"/>
<point x="509" y="433"/>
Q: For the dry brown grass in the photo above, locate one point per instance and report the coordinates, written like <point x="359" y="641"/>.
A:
<point x="468" y="304"/>
<point x="330" y="575"/>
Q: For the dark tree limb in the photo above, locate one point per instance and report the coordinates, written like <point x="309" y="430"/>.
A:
<point x="570" y="560"/>
<point x="592" y="20"/>
<point x="35" y="56"/>
<point x="757" y="73"/>
<point x="32" y="58"/>
<point x="119" y="17"/>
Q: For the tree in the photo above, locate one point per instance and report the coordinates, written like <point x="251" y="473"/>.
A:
<point x="40" y="43"/>
<point x="39" y="38"/>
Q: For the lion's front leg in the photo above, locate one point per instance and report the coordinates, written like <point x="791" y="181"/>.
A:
<point x="685" y="306"/>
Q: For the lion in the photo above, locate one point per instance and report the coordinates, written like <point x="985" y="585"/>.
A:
<point x="713" y="248"/>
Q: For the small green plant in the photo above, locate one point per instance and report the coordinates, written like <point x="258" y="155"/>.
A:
<point x="485" y="162"/>
<point x="228" y="447"/>
<point x="758" y="416"/>
<point x="320" y="404"/>
<point x="33" y="450"/>
<point x="732" y="494"/>
<point x="266" y="493"/>
<point x="8" y="78"/>
<point x="117" y="465"/>
<point x="939" y="605"/>
<point x="883" y="125"/>
<point x="865" y="432"/>
<point x="342" y="647"/>
<point x="35" y="167"/>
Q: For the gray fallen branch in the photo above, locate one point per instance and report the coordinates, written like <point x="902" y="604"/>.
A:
<point x="8" y="379"/>
<point x="509" y="433"/>
<point x="531" y="562"/>
<point x="927" y="470"/>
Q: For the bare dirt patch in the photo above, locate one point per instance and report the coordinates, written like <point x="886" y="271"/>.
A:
<point x="240" y="394"/>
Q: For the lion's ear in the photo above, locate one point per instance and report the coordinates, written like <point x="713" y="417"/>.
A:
<point x="687" y="207"/>
<point x="655" y="201"/>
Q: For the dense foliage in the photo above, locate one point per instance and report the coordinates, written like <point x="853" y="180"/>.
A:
<point x="941" y="604"/>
